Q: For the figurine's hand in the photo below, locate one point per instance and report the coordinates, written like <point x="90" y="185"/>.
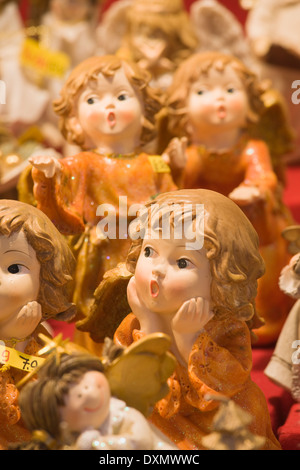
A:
<point x="192" y="316"/>
<point x="149" y="321"/>
<point x="261" y="46"/>
<point x="175" y="154"/>
<point x="47" y="163"/>
<point x="244" y="195"/>
<point x="24" y="323"/>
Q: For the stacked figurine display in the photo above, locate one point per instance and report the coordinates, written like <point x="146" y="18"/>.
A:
<point x="154" y="225"/>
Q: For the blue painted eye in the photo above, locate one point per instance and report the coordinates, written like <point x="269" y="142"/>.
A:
<point x="91" y="101"/>
<point x="230" y="90"/>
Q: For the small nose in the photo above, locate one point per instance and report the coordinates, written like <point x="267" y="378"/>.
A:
<point x="159" y="270"/>
<point x="219" y="93"/>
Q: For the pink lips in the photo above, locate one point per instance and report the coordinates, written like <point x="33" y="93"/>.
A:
<point x="154" y="288"/>
<point x="222" y="112"/>
<point x="111" y="118"/>
<point x="92" y="410"/>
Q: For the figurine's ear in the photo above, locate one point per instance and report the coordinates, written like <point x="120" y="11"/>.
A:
<point x="75" y="131"/>
<point x="75" y="125"/>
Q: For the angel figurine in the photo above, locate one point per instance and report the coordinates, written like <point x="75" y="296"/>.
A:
<point x="107" y="108"/>
<point x="78" y="409"/>
<point x="215" y="101"/>
<point x="283" y="367"/>
<point x="157" y="35"/>
<point x="36" y="276"/>
<point x="187" y="278"/>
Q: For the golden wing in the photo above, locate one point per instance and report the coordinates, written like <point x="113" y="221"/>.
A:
<point x="274" y="128"/>
<point x="292" y="235"/>
<point x="139" y="375"/>
<point x="110" y="305"/>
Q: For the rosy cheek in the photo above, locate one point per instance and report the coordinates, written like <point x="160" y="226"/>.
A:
<point x="128" y="116"/>
<point x="238" y="105"/>
<point x="92" y="117"/>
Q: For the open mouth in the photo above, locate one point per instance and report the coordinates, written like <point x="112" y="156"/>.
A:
<point x="222" y="112"/>
<point x="154" y="288"/>
<point x="111" y="119"/>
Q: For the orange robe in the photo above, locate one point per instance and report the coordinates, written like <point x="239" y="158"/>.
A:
<point x="249" y="164"/>
<point x="220" y="363"/>
<point x="89" y="180"/>
<point x="12" y="428"/>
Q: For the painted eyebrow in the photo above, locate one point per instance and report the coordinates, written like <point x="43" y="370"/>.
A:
<point x="16" y="251"/>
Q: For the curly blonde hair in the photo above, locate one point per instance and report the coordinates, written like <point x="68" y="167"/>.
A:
<point x="231" y="245"/>
<point x="107" y="65"/>
<point x="57" y="263"/>
<point x="198" y="65"/>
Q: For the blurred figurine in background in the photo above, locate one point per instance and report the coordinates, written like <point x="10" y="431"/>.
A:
<point x="158" y="35"/>
<point x="66" y="28"/>
<point x="216" y="102"/>
<point x="284" y="367"/>
<point x="272" y="29"/>
<point x="108" y="109"/>
<point x="187" y="278"/>
<point x="24" y="104"/>
<point x="36" y="277"/>
<point x="218" y="29"/>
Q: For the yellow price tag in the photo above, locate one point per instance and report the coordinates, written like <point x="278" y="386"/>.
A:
<point x="10" y="357"/>
<point x="48" y="63"/>
<point x="158" y="164"/>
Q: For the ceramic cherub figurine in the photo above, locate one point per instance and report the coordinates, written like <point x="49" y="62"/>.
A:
<point x="214" y="100"/>
<point x="159" y="37"/>
<point x="189" y="280"/>
<point x="283" y="367"/>
<point x="78" y="411"/>
<point x="107" y="108"/>
<point x="36" y="274"/>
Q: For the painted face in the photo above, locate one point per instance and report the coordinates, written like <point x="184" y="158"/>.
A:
<point x="110" y="108"/>
<point x="19" y="274"/>
<point x="71" y="10"/>
<point x="218" y="100"/>
<point x="150" y="44"/>
<point x="168" y="273"/>
<point x="87" y="402"/>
